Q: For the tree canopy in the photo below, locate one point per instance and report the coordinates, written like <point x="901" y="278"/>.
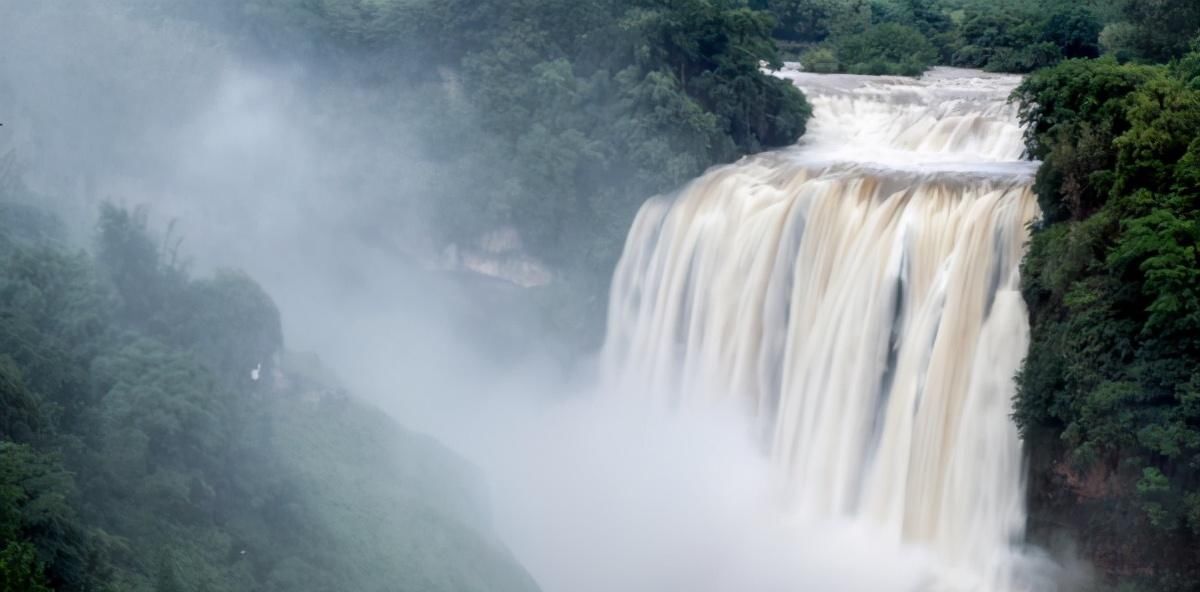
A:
<point x="156" y="437"/>
<point x="1113" y="283"/>
<point x="1008" y="36"/>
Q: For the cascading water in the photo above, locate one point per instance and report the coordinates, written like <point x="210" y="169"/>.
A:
<point x="858" y="293"/>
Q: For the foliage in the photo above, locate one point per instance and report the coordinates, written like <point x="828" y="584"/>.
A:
<point x="1075" y="31"/>
<point x="577" y="111"/>
<point x="588" y="108"/>
<point x="126" y="379"/>
<point x="1005" y="41"/>
<point x="1072" y="131"/>
<point x="813" y="21"/>
<point x="20" y="570"/>
<point x="1005" y="36"/>
<point x="630" y="99"/>
<point x="1113" y="277"/>
<point x="1160" y="30"/>
<point x="886" y="49"/>
<point x="821" y="60"/>
<point x="43" y="542"/>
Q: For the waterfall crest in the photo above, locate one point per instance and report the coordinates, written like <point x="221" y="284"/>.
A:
<point x="858" y="295"/>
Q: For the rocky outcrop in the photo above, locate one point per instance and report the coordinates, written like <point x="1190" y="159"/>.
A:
<point x="499" y="254"/>
<point x="1094" y="511"/>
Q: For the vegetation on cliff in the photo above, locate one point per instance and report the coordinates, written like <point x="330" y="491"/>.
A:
<point x="556" y="118"/>
<point x="1112" y="380"/>
<point x="612" y="100"/>
<point x="155" y="437"/>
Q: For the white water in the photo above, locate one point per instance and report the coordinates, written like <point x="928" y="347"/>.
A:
<point x="857" y="295"/>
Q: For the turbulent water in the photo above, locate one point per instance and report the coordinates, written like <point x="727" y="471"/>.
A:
<point x="858" y="294"/>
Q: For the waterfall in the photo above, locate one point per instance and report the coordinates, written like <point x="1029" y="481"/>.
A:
<point x="858" y="295"/>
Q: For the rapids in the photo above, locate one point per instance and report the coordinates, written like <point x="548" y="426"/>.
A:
<point x="857" y="294"/>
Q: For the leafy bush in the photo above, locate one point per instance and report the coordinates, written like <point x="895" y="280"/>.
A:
<point x="1075" y="31"/>
<point x="821" y="60"/>
<point x="813" y="21"/>
<point x="886" y="49"/>
<point x="1024" y="59"/>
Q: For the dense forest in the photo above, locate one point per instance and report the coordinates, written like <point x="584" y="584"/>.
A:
<point x="557" y="118"/>
<point x="1110" y="392"/>
<point x="157" y="435"/>
<point x="908" y="36"/>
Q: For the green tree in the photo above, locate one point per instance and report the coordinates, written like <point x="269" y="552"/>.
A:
<point x="20" y="570"/>
<point x="1076" y="32"/>
<point x="812" y="21"/>
<point x="135" y="264"/>
<point x="886" y="49"/>
<point x="1004" y="41"/>
<point x="37" y="515"/>
<point x="1161" y="29"/>
<point x="1112" y="279"/>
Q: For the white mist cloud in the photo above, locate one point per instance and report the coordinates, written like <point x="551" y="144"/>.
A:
<point x="598" y="493"/>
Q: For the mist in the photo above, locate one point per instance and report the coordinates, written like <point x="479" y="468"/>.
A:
<point x="329" y="191"/>
<point x="603" y="492"/>
<point x="317" y="188"/>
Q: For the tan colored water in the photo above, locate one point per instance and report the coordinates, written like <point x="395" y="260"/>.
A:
<point x="858" y="293"/>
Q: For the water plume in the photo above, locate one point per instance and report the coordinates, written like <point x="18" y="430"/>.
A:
<point x="857" y="296"/>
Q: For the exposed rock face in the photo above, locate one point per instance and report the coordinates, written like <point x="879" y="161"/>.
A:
<point x="499" y="254"/>
<point x="1094" y="512"/>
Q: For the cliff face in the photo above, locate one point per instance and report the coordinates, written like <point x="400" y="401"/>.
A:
<point x="1093" y="513"/>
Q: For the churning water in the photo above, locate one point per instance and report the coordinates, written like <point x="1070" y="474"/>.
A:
<point x="857" y="296"/>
